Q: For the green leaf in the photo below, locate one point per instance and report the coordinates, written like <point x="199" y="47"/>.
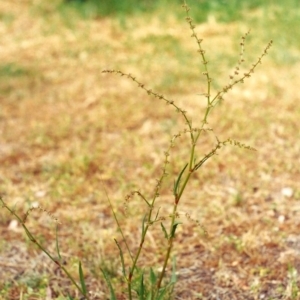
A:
<point x="173" y="276"/>
<point x="164" y="230"/>
<point x="174" y="229"/>
<point x="153" y="277"/>
<point x="149" y="296"/>
<point x="82" y="281"/>
<point x="141" y="287"/>
<point x="177" y="183"/>
<point x="162" y="293"/>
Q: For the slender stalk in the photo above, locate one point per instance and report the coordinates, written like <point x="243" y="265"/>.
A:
<point x="116" y="219"/>
<point x="177" y="199"/>
<point x="167" y="257"/>
<point x="184" y="185"/>
<point x="144" y="233"/>
<point x="32" y="239"/>
<point x="149" y="218"/>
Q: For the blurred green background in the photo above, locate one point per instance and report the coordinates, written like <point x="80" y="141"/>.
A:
<point x="277" y="20"/>
<point x="223" y="10"/>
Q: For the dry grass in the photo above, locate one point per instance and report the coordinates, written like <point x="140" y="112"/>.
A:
<point x="64" y="126"/>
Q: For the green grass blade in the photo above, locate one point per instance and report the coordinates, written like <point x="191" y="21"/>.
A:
<point x="82" y="281"/>
<point x="122" y="258"/>
<point x="173" y="276"/>
<point x="164" y="230"/>
<point x="111" y="289"/>
<point x="141" y="287"/>
<point x="56" y="242"/>
<point x="153" y="277"/>
<point x="153" y="280"/>
<point x="149" y="296"/>
<point x="162" y="294"/>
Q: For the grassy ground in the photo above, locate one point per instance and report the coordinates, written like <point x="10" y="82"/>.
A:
<point x="67" y="131"/>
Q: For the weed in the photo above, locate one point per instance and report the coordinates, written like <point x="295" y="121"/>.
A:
<point x="142" y="283"/>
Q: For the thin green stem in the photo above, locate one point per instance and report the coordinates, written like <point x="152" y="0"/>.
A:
<point x="184" y="185"/>
<point x="167" y="257"/>
<point x="177" y="199"/>
<point x="125" y="241"/>
<point x="32" y="239"/>
<point x="144" y="233"/>
<point x="116" y="219"/>
<point x="174" y="214"/>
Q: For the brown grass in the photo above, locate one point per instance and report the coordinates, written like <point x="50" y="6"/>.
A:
<point x="64" y="127"/>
